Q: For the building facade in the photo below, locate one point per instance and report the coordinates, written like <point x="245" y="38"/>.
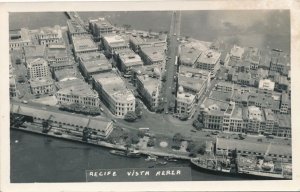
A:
<point x="37" y="68"/>
<point x="42" y="85"/>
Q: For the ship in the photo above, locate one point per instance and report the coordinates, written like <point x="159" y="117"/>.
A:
<point x="247" y="167"/>
<point x="128" y="153"/>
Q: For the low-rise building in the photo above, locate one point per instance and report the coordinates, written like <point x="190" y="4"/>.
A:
<point x="113" y="43"/>
<point x="48" y="36"/>
<point x="189" y="55"/>
<point x="19" y="39"/>
<point x="255" y="119"/>
<point x="128" y="59"/>
<point x="83" y="44"/>
<point x="209" y="61"/>
<point x="93" y="63"/>
<point x="236" y="53"/>
<point x="76" y="91"/>
<point x="149" y="89"/>
<point x="153" y="55"/>
<point x="73" y="123"/>
<point x="224" y="86"/>
<point x="100" y="27"/>
<point x="37" y="68"/>
<point x="42" y="85"/>
<point x="114" y="93"/>
<point x="285" y="104"/>
<point x="253" y="56"/>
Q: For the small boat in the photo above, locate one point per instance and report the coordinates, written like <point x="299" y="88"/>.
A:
<point x="151" y="158"/>
<point x="133" y="154"/>
<point x="151" y="166"/>
<point x="170" y="159"/>
<point x="161" y="163"/>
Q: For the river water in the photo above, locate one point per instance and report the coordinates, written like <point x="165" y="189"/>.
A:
<point x="36" y="158"/>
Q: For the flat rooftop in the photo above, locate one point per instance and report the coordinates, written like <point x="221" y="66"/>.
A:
<point x="237" y="51"/>
<point x="84" y="43"/>
<point x="56" y="53"/>
<point x="49" y="31"/>
<point x="185" y="97"/>
<point x="114" y="86"/>
<point x="189" y="55"/>
<point x="41" y="81"/>
<point x="74" y="27"/>
<point x="95" y="62"/>
<point x="21" y="36"/>
<point x="67" y="118"/>
<point x="76" y="87"/>
<point x="114" y="39"/>
<point x="154" y="53"/>
<point x="195" y="84"/>
<point x="150" y="84"/>
<point x="101" y="22"/>
<point x="35" y="51"/>
<point x="209" y="57"/>
<point x="64" y="74"/>
<point x="129" y="57"/>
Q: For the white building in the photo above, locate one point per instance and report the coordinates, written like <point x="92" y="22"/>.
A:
<point x="19" y="39"/>
<point x="114" y="93"/>
<point x="76" y="91"/>
<point x="42" y="85"/>
<point x="128" y="59"/>
<point x="48" y="36"/>
<point x="113" y="43"/>
<point x="37" y="68"/>
<point x="100" y="27"/>
<point x="256" y="120"/>
<point x="209" y="61"/>
<point x="266" y="84"/>
<point x="153" y="55"/>
<point x="185" y="103"/>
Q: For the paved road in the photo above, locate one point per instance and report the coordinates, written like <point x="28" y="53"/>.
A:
<point x="171" y="69"/>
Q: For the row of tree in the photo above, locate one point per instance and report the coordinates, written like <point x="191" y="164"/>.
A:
<point x="80" y="108"/>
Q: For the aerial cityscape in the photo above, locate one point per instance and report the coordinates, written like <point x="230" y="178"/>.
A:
<point x="158" y="98"/>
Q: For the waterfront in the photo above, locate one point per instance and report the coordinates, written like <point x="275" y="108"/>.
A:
<point x="36" y="158"/>
<point x="249" y="30"/>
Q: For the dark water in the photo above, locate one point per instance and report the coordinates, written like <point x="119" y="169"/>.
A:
<point x="262" y="29"/>
<point x="36" y="158"/>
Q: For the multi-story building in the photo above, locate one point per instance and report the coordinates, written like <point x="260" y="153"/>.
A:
<point x="188" y="55"/>
<point x="100" y="27"/>
<point x="224" y="86"/>
<point x="42" y="85"/>
<point x="255" y="119"/>
<point x="113" y="43"/>
<point x="149" y="89"/>
<point x="185" y="103"/>
<point x="285" y="104"/>
<point x="284" y="126"/>
<point x="280" y="62"/>
<point x="65" y="74"/>
<point x="47" y="36"/>
<point x="236" y="53"/>
<point x="209" y="61"/>
<point x="37" y="68"/>
<point x="153" y="55"/>
<point x="56" y="54"/>
<point x="34" y="52"/>
<point x="83" y="44"/>
<point x="193" y="84"/>
<point x="12" y="87"/>
<point x="114" y="93"/>
<point x="19" y="39"/>
<point x="271" y="121"/>
<point x="145" y="39"/>
<point x="253" y="56"/>
<point x="76" y="91"/>
<point x="93" y="63"/>
<point x="75" y="29"/>
<point x="266" y="84"/>
<point x="128" y="59"/>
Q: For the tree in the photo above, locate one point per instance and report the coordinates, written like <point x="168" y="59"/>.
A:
<point x="177" y="138"/>
<point x="201" y="149"/>
<point x="130" y="116"/>
<point x="141" y="133"/>
<point x="138" y="111"/>
<point x="151" y="142"/>
<point x="135" y="139"/>
<point x="197" y="124"/>
<point x="191" y="146"/>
